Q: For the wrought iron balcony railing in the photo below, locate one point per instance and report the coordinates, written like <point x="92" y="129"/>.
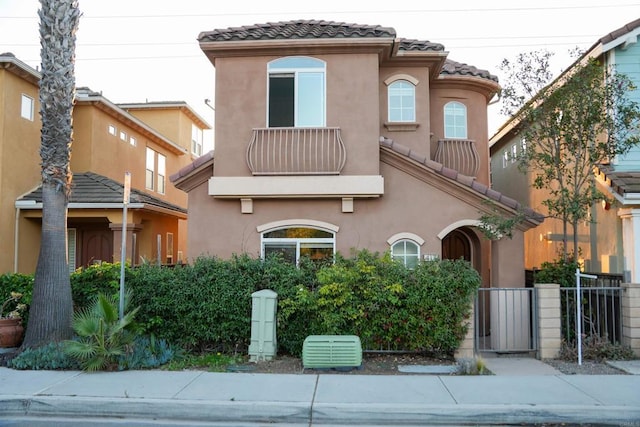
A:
<point x="458" y="154"/>
<point x="296" y="151"/>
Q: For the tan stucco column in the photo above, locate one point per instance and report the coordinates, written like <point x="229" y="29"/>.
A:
<point x="117" y="241"/>
<point x="631" y="316"/>
<point x="507" y="261"/>
<point x="549" y="323"/>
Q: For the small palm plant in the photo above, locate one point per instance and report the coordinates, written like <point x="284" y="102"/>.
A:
<point x="102" y="336"/>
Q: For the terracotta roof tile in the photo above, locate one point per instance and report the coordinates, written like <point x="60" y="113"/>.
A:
<point x="300" y="29"/>
<point x="620" y="31"/>
<point x="420" y="45"/>
<point x="186" y="170"/>
<point x="460" y="69"/>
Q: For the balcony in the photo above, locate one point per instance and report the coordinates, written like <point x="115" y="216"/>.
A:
<point x="296" y="151"/>
<point x="458" y="154"/>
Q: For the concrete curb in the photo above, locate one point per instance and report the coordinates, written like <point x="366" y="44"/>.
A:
<point x="53" y="407"/>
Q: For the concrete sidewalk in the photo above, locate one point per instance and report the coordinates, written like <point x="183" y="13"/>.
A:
<point x="239" y="399"/>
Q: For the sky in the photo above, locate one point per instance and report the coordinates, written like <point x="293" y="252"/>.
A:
<point x="147" y="50"/>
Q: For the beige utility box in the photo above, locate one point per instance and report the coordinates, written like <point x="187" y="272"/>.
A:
<point x="263" y="325"/>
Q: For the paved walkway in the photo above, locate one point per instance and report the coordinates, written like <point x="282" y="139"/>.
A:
<point x="242" y="399"/>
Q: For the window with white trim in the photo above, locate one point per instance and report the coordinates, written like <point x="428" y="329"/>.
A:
<point x="293" y="243"/>
<point x="297" y="93"/>
<point x="196" y="140"/>
<point x="455" y="120"/>
<point x="112" y="130"/>
<point x="402" y="101"/>
<point x="123" y="135"/>
<point x="26" y="107"/>
<point x="133" y="141"/>
<point x="162" y="172"/>
<point x="151" y="169"/>
<point x="407" y="252"/>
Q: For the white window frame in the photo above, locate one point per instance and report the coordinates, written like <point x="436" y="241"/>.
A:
<point x="404" y="257"/>
<point x="455" y="120"/>
<point x="298" y="243"/>
<point x="196" y="140"/>
<point x="300" y="67"/>
<point x="111" y="129"/>
<point x="27" y="107"/>
<point x="123" y="135"/>
<point x="71" y="249"/>
<point x="133" y="141"/>
<point x="401" y="101"/>
<point x="150" y="171"/>
<point x="161" y="161"/>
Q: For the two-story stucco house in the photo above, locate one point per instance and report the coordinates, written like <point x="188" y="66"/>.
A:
<point x="333" y="136"/>
<point x="610" y="242"/>
<point x="108" y="141"/>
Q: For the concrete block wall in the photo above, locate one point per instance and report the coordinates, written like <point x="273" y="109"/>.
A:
<point x="631" y="316"/>
<point x="467" y="348"/>
<point x="549" y="324"/>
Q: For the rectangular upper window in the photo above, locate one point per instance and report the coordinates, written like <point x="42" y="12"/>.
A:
<point x="150" y="170"/>
<point x="196" y="140"/>
<point x="296" y="92"/>
<point x="26" y="108"/>
<point x="123" y="135"/>
<point x="162" y="172"/>
<point x="112" y="130"/>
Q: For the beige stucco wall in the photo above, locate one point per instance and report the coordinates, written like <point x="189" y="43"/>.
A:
<point x="352" y="105"/>
<point x="477" y="122"/>
<point x="19" y="156"/>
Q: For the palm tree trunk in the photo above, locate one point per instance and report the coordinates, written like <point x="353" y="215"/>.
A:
<point x="52" y="306"/>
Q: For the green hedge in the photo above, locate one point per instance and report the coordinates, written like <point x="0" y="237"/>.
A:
<point x="207" y="304"/>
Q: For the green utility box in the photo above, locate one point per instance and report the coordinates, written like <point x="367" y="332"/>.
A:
<point x="332" y="351"/>
<point x="263" y="344"/>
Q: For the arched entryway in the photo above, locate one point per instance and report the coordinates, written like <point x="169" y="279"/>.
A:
<point x="456" y="245"/>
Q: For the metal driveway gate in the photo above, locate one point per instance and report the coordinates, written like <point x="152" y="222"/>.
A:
<point x="505" y="320"/>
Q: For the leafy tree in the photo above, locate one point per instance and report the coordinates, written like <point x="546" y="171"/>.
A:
<point x="52" y="308"/>
<point x="581" y="119"/>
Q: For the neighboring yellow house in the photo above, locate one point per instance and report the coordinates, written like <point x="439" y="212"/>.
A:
<point x="108" y="141"/>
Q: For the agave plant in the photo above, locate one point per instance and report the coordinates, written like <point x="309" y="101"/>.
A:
<point x="102" y="336"/>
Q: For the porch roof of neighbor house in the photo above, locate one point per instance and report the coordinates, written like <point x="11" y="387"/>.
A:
<point x="621" y="182"/>
<point x="465" y="181"/>
<point x="90" y="188"/>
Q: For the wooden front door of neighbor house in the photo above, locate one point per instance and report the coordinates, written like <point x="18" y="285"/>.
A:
<point x="456" y="245"/>
<point x="96" y="246"/>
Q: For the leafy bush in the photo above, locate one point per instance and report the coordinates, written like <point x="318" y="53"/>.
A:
<point x="102" y="336"/>
<point x="96" y="279"/>
<point x="562" y="272"/>
<point x="21" y="283"/>
<point x="49" y="357"/>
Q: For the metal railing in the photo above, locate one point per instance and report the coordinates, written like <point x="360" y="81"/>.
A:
<point x="458" y="154"/>
<point x="296" y="151"/>
<point x="601" y="313"/>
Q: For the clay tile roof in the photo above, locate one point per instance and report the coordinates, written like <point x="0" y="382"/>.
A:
<point x="90" y="187"/>
<point x="300" y="29"/>
<point x="186" y="170"/>
<point x="459" y="69"/>
<point x="420" y="45"/>
<point x="464" y="180"/>
<point x="620" y="31"/>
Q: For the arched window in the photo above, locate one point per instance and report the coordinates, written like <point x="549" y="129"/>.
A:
<point x="402" y="101"/>
<point x="296" y="242"/>
<point x="406" y="251"/>
<point x="296" y="92"/>
<point x="455" y="120"/>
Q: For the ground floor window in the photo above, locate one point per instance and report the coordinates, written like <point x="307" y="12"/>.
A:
<point x="407" y="252"/>
<point x="293" y="243"/>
